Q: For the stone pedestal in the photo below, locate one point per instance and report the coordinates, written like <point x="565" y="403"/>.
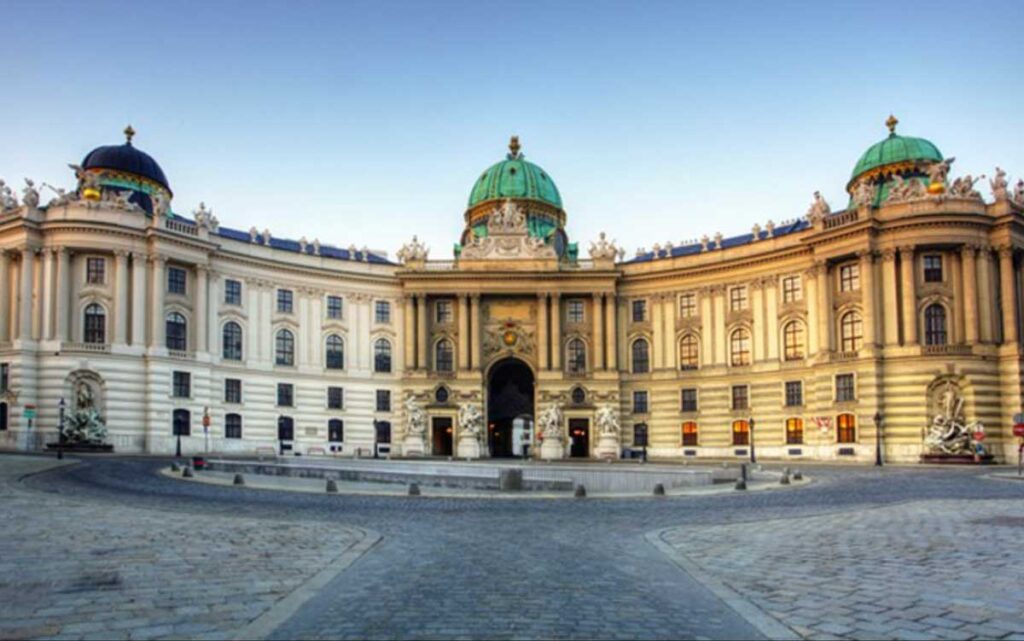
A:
<point x="414" y="445"/>
<point x="607" y="447"/>
<point x="552" y="449"/>
<point x="469" y="447"/>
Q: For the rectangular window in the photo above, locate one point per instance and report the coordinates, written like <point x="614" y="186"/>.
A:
<point x="791" y="291"/>
<point x="639" y="311"/>
<point x="849" y="277"/>
<point x="177" y="278"/>
<point x="285" y="395"/>
<point x="335" y="398"/>
<point x="844" y="388"/>
<point x="737" y="299"/>
<point x="182" y="385"/>
<point x="574" y="311"/>
<point x="335" y="307"/>
<point x="688" y="305"/>
<point x="688" y="400"/>
<point x="640" y="435"/>
<point x="689" y="433"/>
<point x="794" y="393"/>
<point x="640" y="402"/>
<point x="443" y="312"/>
<point x="846" y="429"/>
<point x="383" y="400"/>
<point x="95" y="271"/>
<point x="285" y="301"/>
<point x="335" y="431"/>
<point x="5" y="377"/>
<point x="382" y="312"/>
<point x="233" y="390"/>
<point x="740" y="397"/>
<point x="233" y="426"/>
<point x="232" y="292"/>
<point x="933" y="268"/>
<point x="794" y="431"/>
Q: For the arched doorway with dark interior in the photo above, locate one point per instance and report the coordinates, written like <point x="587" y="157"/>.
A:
<point x="509" y="397"/>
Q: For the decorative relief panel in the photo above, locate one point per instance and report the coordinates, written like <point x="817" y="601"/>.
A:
<point x="509" y="328"/>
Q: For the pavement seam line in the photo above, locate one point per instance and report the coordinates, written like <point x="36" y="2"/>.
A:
<point x="266" y="623"/>
<point x="767" y="625"/>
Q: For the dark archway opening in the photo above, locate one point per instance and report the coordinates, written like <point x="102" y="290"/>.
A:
<point x="509" y="396"/>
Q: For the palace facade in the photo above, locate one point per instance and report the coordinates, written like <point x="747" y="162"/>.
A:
<point x="808" y="339"/>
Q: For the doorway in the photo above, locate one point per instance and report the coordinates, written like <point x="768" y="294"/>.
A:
<point x="579" y="433"/>
<point x="442" y="435"/>
<point x="509" y="397"/>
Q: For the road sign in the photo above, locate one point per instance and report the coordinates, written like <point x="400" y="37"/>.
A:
<point x="1018" y="429"/>
<point x="979" y="436"/>
<point x="30" y="411"/>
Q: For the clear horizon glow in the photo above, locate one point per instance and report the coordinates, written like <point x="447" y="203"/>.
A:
<point x="365" y="123"/>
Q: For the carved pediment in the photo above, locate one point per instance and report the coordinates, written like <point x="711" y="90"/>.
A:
<point x="507" y="238"/>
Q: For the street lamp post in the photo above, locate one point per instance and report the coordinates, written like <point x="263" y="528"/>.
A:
<point x="177" y="434"/>
<point x="753" y="454"/>
<point x="60" y="430"/>
<point x="878" y="439"/>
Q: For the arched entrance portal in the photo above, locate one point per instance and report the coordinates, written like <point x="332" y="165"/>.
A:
<point x="509" y="407"/>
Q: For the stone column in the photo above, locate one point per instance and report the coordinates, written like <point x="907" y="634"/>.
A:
<point x="597" y="320"/>
<point x="47" y="292"/>
<point x="474" y="331"/>
<point x="121" y="297"/>
<point x="720" y="338"/>
<point x="200" y="317"/>
<point x="671" y="303"/>
<point x="825" y="322"/>
<point x="867" y="293"/>
<point x="1008" y="294"/>
<point x="556" y="331"/>
<point x="813" y="312"/>
<point x="214" y="300"/>
<point x="658" y="331"/>
<point x="985" y="296"/>
<point x="463" y="332"/>
<point x="890" y="302"/>
<point x="969" y="304"/>
<point x="707" y="325"/>
<point x="5" y="297"/>
<point x="908" y="278"/>
<point x="139" y="273"/>
<point x="542" y="331"/>
<point x="409" y="325"/>
<point x="609" y="332"/>
<point x="771" y="297"/>
<point x="757" y="335"/>
<point x="253" y="342"/>
<point x="421" y="331"/>
<point x="157" y="322"/>
<point x="28" y="257"/>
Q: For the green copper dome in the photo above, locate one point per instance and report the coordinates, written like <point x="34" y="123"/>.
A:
<point x="515" y="177"/>
<point x="895" y="150"/>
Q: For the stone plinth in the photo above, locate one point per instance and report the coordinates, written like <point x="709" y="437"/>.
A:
<point x="552" y="449"/>
<point x="414" y="445"/>
<point x="469" y="448"/>
<point x="607" y="448"/>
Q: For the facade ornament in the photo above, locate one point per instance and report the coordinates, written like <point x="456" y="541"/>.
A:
<point x="120" y="199"/>
<point x="549" y="425"/>
<point x="63" y="197"/>
<point x="864" y="193"/>
<point x="964" y="187"/>
<point x="718" y="240"/>
<point x="266" y="237"/>
<point x="999" y="185"/>
<point x="253" y="234"/>
<point x="603" y="248"/>
<point x="769" y="229"/>
<point x="205" y="218"/>
<point x="949" y="432"/>
<point x="415" y="428"/>
<point x="161" y="204"/>
<point x="85" y="425"/>
<point x="657" y="250"/>
<point x="88" y="182"/>
<point x="316" y="246"/>
<point x="622" y="254"/>
<point x="818" y="210"/>
<point x="413" y="252"/>
<point x="756" y="232"/>
<point x="607" y="420"/>
<point x="903" y="190"/>
<point x="937" y="174"/>
<point x="8" y="200"/>
<point x="704" y="240"/>
<point x="1018" y="193"/>
<point x="669" y="246"/>
<point x="303" y="244"/>
<point x="30" y="195"/>
<point x="507" y="237"/>
<point x="471" y="431"/>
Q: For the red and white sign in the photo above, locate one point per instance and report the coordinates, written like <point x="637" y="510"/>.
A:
<point x="979" y="436"/>
<point x="1018" y="430"/>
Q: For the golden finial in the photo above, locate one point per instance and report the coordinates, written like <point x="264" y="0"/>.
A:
<point x="513" y="146"/>
<point x="128" y="133"/>
<point x="891" y="123"/>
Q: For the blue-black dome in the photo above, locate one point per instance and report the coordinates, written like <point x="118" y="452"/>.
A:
<point x="128" y="159"/>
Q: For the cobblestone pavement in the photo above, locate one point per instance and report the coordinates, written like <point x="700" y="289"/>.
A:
<point x="551" y="569"/>
<point x="919" y="570"/>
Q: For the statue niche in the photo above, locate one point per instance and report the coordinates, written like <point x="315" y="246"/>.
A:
<point x="950" y="437"/>
<point x="84" y="427"/>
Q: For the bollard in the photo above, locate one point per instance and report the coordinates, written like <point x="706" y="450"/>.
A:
<point x="785" y="471"/>
<point x="659" y="489"/>
<point x="187" y="473"/>
<point x="239" y="479"/>
<point x="798" y="476"/>
<point x="741" y="484"/>
<point x="510" y="480"/>
<point x="581" y="492"/>
<point x="784" y="480"/>
<point x="332" y="486"/>
<point x="414" y="489"/>
<point x="175" y="467"/>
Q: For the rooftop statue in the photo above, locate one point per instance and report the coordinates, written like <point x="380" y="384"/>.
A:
<point x="999" y="185"/>
<point x="864" y="193"/>
<point x="903" y="190"/>
<point x="30" y="195"/>
<point x="413" y="251"/>
<point x="8" y="200"/>
<point x="1018" y="193"/>
<point x="938" y="172"/>
<point x="818" y="210"/>
<point x="964" y="187"/>
<point x="205" y="218"/>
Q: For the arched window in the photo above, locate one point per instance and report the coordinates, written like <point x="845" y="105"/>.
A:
<point x="793" y="341"/>
<point x="232" y="336"/>
<point x="851" y="332"/>
<point x="3" y="417"/>
<point x="95" y="324"/>
<point x="846" y="428"/>
<point x="284" y="348"/>
<point x="335" y="430"/>
<point x="689" y="433"/>
<point x="641" y="356"/>
<point x="739" y="344"/>
<point x="689" y="352"/>
<point x="335" y="352"/>
<point x="740" y="433"/>
<point x="577" y="361"/>
<point x="181" y="423"/>
<point x="177" y="332"/>
<point x="233" y="426"/>
<point x="444" y="356"/>
<point x="794" y="431"/>
<point x="935" y="325"/>
<point x="382" y="355"/>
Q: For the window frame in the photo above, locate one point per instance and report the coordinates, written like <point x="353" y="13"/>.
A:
<point x="382" y="400"/>
<point x="444" y="312"/>
<point x="792" y="289"/>
<point x="95" y="270"/>
<point x="285" y="396"/>
<point x="846" y="434"/>
<point x="688" y="305"/>
<point x="175" y="340"/>
<point x="794" y="341"/>
<point x="444" y="356"/>
<point x="575" y="311"/>
<point x="690" y="438"/>
<point x="929" y="272"/>
<point x="229" y="393"/>
<point x="638" y="305"/>
<point x="794" y="427"/>
<point x="849" y="277"/>
<point x="689" y="405"/>
<point x="645" y="360"/>
<point x="177" y="286"/>
<point x="576" y="356"/>
<point x="284" y="348"/>
<point x="334" y="352"/>
<point x="285" y="301"/>
<point x="335" y="307"/>
<point x="382" y="356"/>
<point x="740" y="437"/>
<point x="740" y="347"/>
<point x="335" y="430"/>
<point x="181" y="384"/>
<point x="335" y="397"/>
<point x="94" y="325"/>
<point x="788" y="396"/>
<point x="689" y="352"/>
<point x="936" y="328"/>
<point x="232" y="431"/>
<point x="851" y="331"/>
<point x="739" y="299"/>
<point x="382" y="312"/>
<point x="232" y="297"/>
<point x="642" y="407"/>
<point x="840" y="390"/>
<point x="739" y="401"/>
<point x="233" y="347"/>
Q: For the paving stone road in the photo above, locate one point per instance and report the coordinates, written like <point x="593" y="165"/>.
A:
<point x="468" y="568"/>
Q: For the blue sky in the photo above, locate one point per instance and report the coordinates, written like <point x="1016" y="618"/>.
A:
<point x="367" y="122"/>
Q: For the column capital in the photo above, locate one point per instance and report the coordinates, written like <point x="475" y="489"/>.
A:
<point x="475" y="297"/>
<point x="158" y="259"/>
<point x="888" y="254"/>
<point x="868" y="254"/>
<point x="122" y="253"/>
<point x="202" y="269"/>
<point x="1006" y="251"/>
<point x="969" y="249"/>
<point x="906" y="250"/>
